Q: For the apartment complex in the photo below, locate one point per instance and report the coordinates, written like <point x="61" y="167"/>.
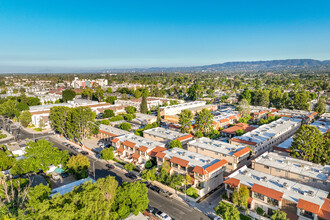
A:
<point x="166" y="135"/>
<point x="236" y="155"/>
<point x="269" y="193"/>
<point x="301" y="171"/>
<point x="323" y="125"/>
<point x="77" y="83"/>
<point x="136" y="149"/>
<point x="231" y="131"/>
<point x="206" y="172"/>
<point x="144" y="119"/>
<point x="269" y="135"/>
<point x="225" y="118"/>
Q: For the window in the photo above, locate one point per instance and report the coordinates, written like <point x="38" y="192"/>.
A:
<point x="259" y="196"/>
<point x="277" y="170"/>
<point x="230" y="164"/>
<point x="306" y="214"/>
<point x="266" y="167"/>
<point x="273" y="202"/>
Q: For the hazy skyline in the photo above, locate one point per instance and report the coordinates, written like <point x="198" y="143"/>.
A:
<point x="83" y="35"/>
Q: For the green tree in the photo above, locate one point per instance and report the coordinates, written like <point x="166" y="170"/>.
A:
<point x="199" y="134"/>
<point x="244" y="107"/>
<point x="149" y="175"/>
<point x="247" y="95"/>
<point x="192" y="192"/>
<point x="144" y="105"/>
<point x="194" y="92"/>
<point x="25" y="118"/>
<point x="278" y="215"/>
<point x="131" y="198"/>
<point x="227" y="211"/>
<point x="109" y="90"/>
<point x="129" y="167"/>
<point x="125" y="126"/>
<point x="22" y="106"/>
<point x="320" y="106"/>
<point x="204" y="121"/>
<point x="159" y="119"/>
<point x="309" y="144"/>
<point x="105" y="122"/>
<point x="87" y="92"/>
<point x="301" y="101"/>
<point x="175" y="143"/>
<point x="99" y="94"/>
<point x="8" y="109"/>
<point x="36" y="195"/>
<point x="107" y="153"/>
<point x="33" y="101"/>
<point x="239" y="132"/>
<point x="79" y="165"/>
<point x="130" y="109"/>
<point x="185" y="118"/>
<point x="108" y="113"/>
<point x="58" y="117"/>
<point x="111" y="99"/>
<point x="68" y="95"/>
<point x="39" y="156"/>
<point x="129" y="117"/>
<point x="6" y="161"/>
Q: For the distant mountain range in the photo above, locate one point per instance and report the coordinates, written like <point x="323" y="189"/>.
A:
<point x="271" y="65"/>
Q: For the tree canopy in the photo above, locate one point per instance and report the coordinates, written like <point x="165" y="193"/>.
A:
<point x="68" y="95"/>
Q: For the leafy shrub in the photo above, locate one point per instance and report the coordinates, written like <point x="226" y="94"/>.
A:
<point x="192" y="192"/>
<point x="260" y="211"/>
<point x="105" y="122"/>
<point x="117" y="118"/>
<point x="149" y="164"/>
<point x="38" y="129"/>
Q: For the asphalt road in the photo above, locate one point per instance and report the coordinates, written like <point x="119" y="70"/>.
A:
<point x="172" y="207"/>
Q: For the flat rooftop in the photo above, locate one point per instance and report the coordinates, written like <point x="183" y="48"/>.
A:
<point x="322" y="125"/>
<point x="267" y="131"/>
<point x="301" y="167"/>
<point x="291" y="190"/>
<point x="193" y="158"/>
<point x="286" y="144"/>
<point x="164" y="133"/>
<point x="112" y="130"/>
<point x="216" y="146"/>
<point x="185" y="105"/>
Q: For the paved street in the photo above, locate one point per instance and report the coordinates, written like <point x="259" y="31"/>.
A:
<point x="175" y="209"/>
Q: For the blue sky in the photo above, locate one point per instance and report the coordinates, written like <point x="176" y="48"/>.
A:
<point x="56" y="35"/>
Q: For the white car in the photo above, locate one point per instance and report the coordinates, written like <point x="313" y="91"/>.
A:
<point x="163" y="216"/>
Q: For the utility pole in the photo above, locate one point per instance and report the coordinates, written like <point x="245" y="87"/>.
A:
<point x="94" y="168"/>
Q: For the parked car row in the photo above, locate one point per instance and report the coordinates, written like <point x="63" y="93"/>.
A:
<point x="75" y="148"/>
<point x="159" y="190"/>
<point x="159" y="214"/>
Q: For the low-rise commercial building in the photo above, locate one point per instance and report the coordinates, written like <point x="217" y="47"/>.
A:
<point x="269" y="135"/>
<point x="206" y="172"/>
<point x="236" y="155"/>
<point x="305" y="172"/>
<point x="269" y="193"/>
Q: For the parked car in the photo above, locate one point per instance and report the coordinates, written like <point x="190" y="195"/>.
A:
<point x="147" y="184"/>
<point x="214" y="217"/>
<point x="78" y="150"/>
<point x="64" y="175"/>
<point x="155" y="188"/>
<point x="132" y="176"/>
<point x="163" y="216"/>
<point x="166" y="193"/>
<point x="110" y="166"/>
<point x="84" y="152"/>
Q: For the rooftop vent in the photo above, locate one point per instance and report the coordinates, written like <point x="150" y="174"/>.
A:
<point x="264" y="178"/>
<point x="310" y="193"/>
<point x="285" y="185"/>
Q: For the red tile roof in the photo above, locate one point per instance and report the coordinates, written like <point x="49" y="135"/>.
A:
<point x="136" y="155"/>
<point x="216" y="165"/>
<point x="160" y="155"/>
<point x="143" y="149"/>
<point x="199" y="170"/>
<point x="308" y="206"/>
<point x="224" y="120"/>
<point x="185" y="137"/>
<point x="120" y="150"/>
<point x="129" y="144"/>
<point x="263" y="112"/>
<point x="242" y="152"/>
<point x="325" y="209"/>
<point x="181" y="162"/>
<point x="244" y="141"/>
<point x="115" y="140"/>
<point x="233" y="129"/>
<point x="314" y="113"/>
<point x="267" y="192"/>
<point x="232" y="117"/>
<point x="157" y="149"/>
<point x="250" y="200"/>
<point x="232" y="182"/>
<point x="108" y="133"/>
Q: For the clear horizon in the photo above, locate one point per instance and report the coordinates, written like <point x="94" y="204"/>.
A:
<point x="66" y="36"/>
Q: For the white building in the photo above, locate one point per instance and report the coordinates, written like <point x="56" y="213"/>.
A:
<point x="269" y="135"/>
<point x="176" y="109"/>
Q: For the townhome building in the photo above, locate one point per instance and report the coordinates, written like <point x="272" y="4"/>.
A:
<point x="206" y="172"/>
<point x="225" y="119"/>
<point x="322" y="124"/>
<point x="166" y="135"/>
<point x="311" y="174"/>
<point x="152" y="102"/>
<point x="265" y="137"/>
<point x="235" y="155"/>
<point x="136" y="149"/>
<point x="269" y="193"/>
<point x="144" y="119"/>
<point x="107" y="133"/>
<point x="231" y="131"/>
